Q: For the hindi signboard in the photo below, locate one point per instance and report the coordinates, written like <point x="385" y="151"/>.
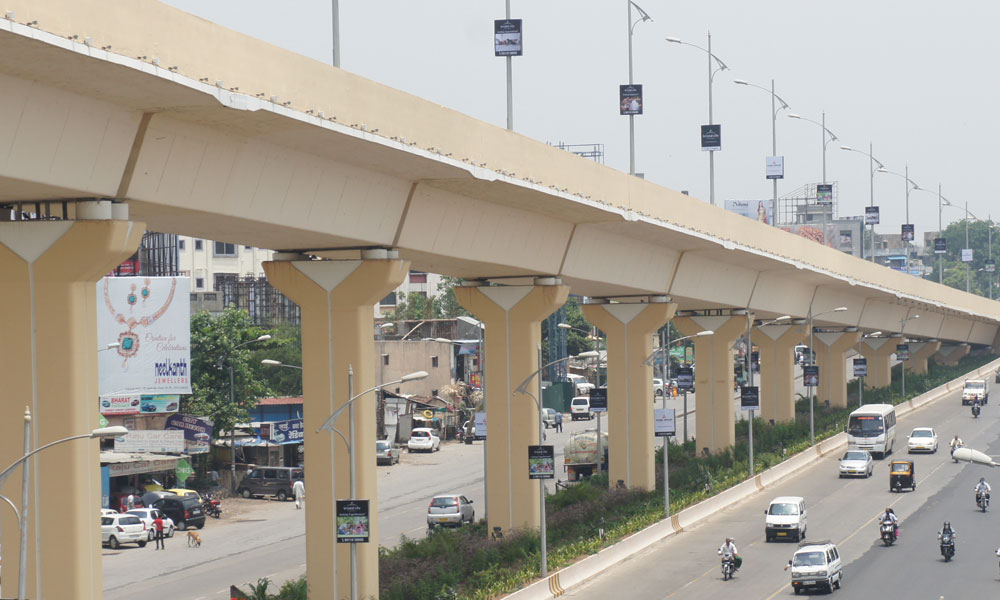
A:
<point x="197" y="432"/>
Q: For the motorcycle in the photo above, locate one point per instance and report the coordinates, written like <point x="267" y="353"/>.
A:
<point x="982" y="500"/>
<point x="953" y="448"/>
<point x="975" y="411"/>
<point x="728" y="567"/>
<point x="947" y="545"/>
<point x="212" y="507"/>
<point x="888" y="532"/>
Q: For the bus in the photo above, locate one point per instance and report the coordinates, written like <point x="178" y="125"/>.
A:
<point x="873" y="427"/>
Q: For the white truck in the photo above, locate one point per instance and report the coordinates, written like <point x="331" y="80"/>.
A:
<point x="580" y="454"/>
<point x="976" y="389"/>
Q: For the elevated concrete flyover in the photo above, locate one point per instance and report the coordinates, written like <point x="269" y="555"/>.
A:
<point x="205" y="132"/>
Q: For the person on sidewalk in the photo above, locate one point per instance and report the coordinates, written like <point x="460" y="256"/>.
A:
<point x="158" y="524"/>
<point x="299" y="490"/>
<point x="558" y="422"/>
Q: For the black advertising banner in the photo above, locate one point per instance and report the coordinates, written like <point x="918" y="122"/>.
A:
<point x="871" y="215"/>
<point x="507" y="37"/>
<point x="902" y="352"/>
<point x="940" y="245"/>
<point x="353" y="524"/>
<point x="685" y="379"/>
<point x="541" y="462"/>
<point x="810" y="376"/>
<point x="906" y="232"/>
<point x="990" y="265"/>
<point x="824" y="193"/>
<point x="860" y="367"/>
<point x="749" y="397"/>
<point x="711" y="137"/>
<point x="599" y="400"/>
<point x="630" y="99"/>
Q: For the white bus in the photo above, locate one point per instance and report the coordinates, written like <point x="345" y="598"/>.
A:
<point x="873" y="427"/>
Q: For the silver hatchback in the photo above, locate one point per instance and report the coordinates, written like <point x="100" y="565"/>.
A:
<point x="386" y="453"/>
<point x="450" y="509"/>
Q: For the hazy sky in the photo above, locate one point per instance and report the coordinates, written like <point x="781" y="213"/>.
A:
<point x="912" y="77"/>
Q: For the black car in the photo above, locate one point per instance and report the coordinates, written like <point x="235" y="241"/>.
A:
<point x="186" y="511"/>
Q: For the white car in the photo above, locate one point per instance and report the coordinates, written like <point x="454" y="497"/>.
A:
<point x="123" y="529"/>
<point x="657" y="387"/>
<point x="148" y="515"/>
<point x="423" y="439"/>
<point x="856" y="462"/>
<point x="579" y="408"/>
<point x="450" y="509"/>
<point x="922" y="439"/>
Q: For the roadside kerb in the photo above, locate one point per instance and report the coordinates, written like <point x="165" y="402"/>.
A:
<point x="564" y="579"/>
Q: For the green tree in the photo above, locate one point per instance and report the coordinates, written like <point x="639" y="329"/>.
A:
<point x="446" y="305"/>
<point x="414" y="307"/>
<point x="954" y="268"/>
<point x="285" y="347"/>
<point x="214" y="342"/>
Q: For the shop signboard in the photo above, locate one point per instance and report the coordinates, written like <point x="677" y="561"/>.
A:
<point x="507" y="39"/>
<point x="630" y="99"/>
<point x="151" y="440"/>
<point x="121" y="405"/>
<point x="150" y="319"/>
<point x="810" y="376"/>
<point x="183" y="471"/>
<point x="541" y="462"/>
<point x="860" y="367"/>
<point x="197" y="432"/>
<point x="137" y="467"/>
<point x="599" y="400"/>
<point x="663" y="422"/>
<point x="286" y="432"/>
<point x="749" y="397"/>
<point x="685" y="379"/>
<point x="159" y="404"/>
<point x="353" y="522"/>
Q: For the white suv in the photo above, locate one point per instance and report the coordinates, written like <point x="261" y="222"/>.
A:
<point x="816" y="565"/>
<point x="579" y="408"/>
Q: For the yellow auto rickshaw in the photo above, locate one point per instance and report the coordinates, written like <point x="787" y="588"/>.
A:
<point x="901" y="475"/>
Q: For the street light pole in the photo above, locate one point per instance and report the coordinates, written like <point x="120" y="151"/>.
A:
<point x="232" y="404"/>
<point x="825" y="142"/>
<point x="631" y="118"/>
<point x="967" y="245"/>
<point x="510" y="85"/>
<point x="774" y="138"/>
<point x="712" y="71"/>
<point x="872" y="161"/>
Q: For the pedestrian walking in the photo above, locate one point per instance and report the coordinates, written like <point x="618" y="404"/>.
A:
<point x="299" y="489"/>
<point x="558" y="422"/>
<point x="158" y="524"/>
<point x="130" y="501"/>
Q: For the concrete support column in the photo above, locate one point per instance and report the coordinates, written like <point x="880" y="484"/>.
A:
<point x="48" y="363"/>
<point x="950" y="355"/>
<point x="629" y="329"/>
<point x="336" y="298"/>
<point x="714" y="396"/>
<point x="512" y="316"/>
<point x="777" y="369"/>
<point x="831" y="356"/>
<point x="919" y="353"/>
<point x="878" y="352"/>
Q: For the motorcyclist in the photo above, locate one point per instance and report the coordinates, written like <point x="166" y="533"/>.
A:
<point x="956" y="443"/>
<point x="976" y="407"/>
<point x="946" y="528"/>
<point x="983" y="487"/>
<point x="890" y="517"/>
<point x="728" y="550"/>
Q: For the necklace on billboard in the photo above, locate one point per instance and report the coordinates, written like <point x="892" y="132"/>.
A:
<point x="128" y="340"/>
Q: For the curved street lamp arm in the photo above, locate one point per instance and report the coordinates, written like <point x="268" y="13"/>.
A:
<point x="14" y="508"/>
<point x="6" y="472"/>
<point x="328" y="424"/>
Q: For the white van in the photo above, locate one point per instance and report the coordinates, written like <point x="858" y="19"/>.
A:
<point x="785" y="518"/>
<point x="873" y="428"/>
<point x="579" y="408"/>
<point x="816" y="565"/>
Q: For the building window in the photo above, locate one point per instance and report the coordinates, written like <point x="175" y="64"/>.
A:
<point x="435" y="393"/>
<point x="248" y="247"/>
<point x="418" y="277"/>
<point x="180" y="244"/>
<point x="434" y="362"/>
<point x="224" y="249"/>
<point x="199" y="283"/>
<point x="389" y="300"/>
<point x="385" y="360"/>
<point x="198" y="245"/>
<point x="221" y="279"/>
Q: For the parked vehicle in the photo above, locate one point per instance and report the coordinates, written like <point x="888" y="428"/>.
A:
<point x="579" y="408"/>
<point x="976" y="389"/>
<point x="901" y="476"/>
<point x="816" y="565"/>
<point x="657" y="387"/>
<point x="212" y="506"/>
<point x="856" y="462"/>
<point x="185" y="511"/>
<point x="423" y="439"/>
<point x="922" y="439"/>
<point x="548" y="417"/>
<point x="580" y="454"/>
<point x="150" y="497"/>
<point x="121" y="529"/>
<point x="147" y="515"/>
<point x="873" y="427"/>
<point x="386" y="453"/>
<point x="270" y="481"/>
<point x="185" y="492"/>
<point x="450" y="509"/>
<point x="786" y="517"/>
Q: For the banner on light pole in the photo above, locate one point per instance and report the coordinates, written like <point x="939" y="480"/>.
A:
<point x="774" y="167"/>
<point x="711" y="137"/>
<point x="940" y="245"/>
<point x="824" y="193"/>
<point x="507" y="39"/>
<point x="906" y="232"/>
<point x="871" y="215"/>
<point x="630" y="99"/>
<point x="966" y="255"/>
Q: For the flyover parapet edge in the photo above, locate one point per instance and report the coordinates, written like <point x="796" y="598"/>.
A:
<point x="595" y="564"/>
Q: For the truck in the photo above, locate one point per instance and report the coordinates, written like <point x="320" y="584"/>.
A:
<point x="976" y="389"/>
<point x="580" y="454"/>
